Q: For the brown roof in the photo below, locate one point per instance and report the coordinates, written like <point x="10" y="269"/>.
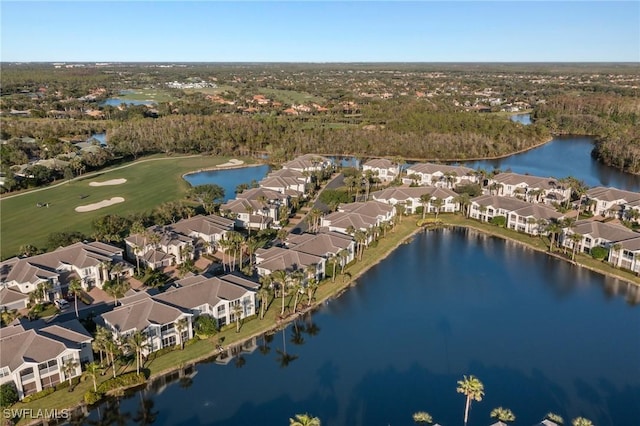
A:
<point x="319" y="244"/>
<point x="380" y="163"/>
<point x="9" y="295"/>
<point x="211" y="291"/>
<point x="276" y="258"/>
<point x="509" y="178"/>
<point x="612" y="194"/>
<point x="406" y="193"/>
<point x="606" y="231"/>
<point x="430" y="168"/>
<point x="208" y="225"/>
<point x="140" y="315"/>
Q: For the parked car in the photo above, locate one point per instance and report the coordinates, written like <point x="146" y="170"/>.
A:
<point x="61" y="304"/>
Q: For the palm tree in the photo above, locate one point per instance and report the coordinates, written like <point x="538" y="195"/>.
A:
<point x="138" y="228"/>
<point x="99" y="343"/>
<point x="422" y="417"/>
<point x="68" y="368"/>
<point x="503" y="414"/>
<point x="576" y="239"/>
<point x="581" y="421"/>
<point x="437" y="204"/>
<point x="343" y="254"/>
<point x="617" y="248"/>
<point x="555" y="418"/>
<point x="253" y="244"/>
<point x="237" y="313"/>
<point x="552" y="228"/>
<point x="465" y="201"/>
<point x="92" y="369"/>
<point x="280" y="278"/>
<point x="182" y="325"/>
<point x="333" y="260"/>
<point x="425" y="199"/>
<point x="137" y="342"/>
<point x="75" y="287"/>
<point x="312" y="286"/>
<point x="263" y="296"/>
<point x="304" y="420"/>
<point x="473" y="389"/>
<point x="111" y="347"/>
<point x="116" y="290"/>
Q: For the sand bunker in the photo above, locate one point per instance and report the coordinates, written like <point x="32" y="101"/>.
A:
<point x="109" y="182"/>
<point x="231" y="163"/>
<point x="101" y="204"/>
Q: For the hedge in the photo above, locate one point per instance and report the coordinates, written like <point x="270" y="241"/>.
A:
<point x="125" y="380"/>
<point x="38" y="395"/>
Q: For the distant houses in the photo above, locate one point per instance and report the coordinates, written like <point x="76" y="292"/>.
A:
<point x="529" y="188"/>
<point x="383" y="168"/>
<point x="440" y="175"/>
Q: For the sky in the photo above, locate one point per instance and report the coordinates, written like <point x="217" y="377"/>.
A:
<point x="319" y="31"/>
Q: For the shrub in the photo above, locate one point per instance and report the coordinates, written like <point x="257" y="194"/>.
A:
<point x="599" y="253"/>
<point x="191" y="341"/>
<point x="125" y="380"/>
<point x="65" y="384"/>
<point x="91" y="397"/>
<point x="8" y="394"/>
<point x="205" y="325"/>
<point x="498" y="221"/>
<point x="38" y="395"/>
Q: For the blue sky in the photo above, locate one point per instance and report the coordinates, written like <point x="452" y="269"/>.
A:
<point x="327" y="31"/>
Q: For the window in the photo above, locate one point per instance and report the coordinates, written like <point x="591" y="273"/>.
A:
<point x="26" y="374"/>
<point x="169" y="341"/>
<point x="48" y="367"/>
<point x="222" y="310"/>
<point x="4" y="371"/>
<point x="168" y="328"/>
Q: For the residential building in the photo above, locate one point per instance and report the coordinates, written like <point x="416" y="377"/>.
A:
<point x="159" y="247"/>
<point x="34" y="358"/>
<point x="289" y="260"/>
<point x="207" y="231"/>
<point x="440" y="175"/>
<point x="308" y="163"/>
<point x="216" y="297"/>
<point x="258" y="208"/>
<point x="324" y="244"/>
<point x="410" y="198"/>
<point x="159" y="322"/>
<point x="533" y="189"/>
<point x="519" y="215"/>
<point x="88" y="262"/>
<point x="596" y="234"/>
<point x="610" y="202"/>
<point x="626" y="254"/>
<point x="383" y="168"/>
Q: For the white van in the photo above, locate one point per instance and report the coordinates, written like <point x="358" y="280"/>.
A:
<point x="61" y="304"/>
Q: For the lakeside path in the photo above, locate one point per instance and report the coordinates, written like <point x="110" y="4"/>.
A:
<point x="205" y="349"/>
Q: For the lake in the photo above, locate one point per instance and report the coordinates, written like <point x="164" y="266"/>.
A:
<point x="541" y="334"/>
<point x="228" y="179"/>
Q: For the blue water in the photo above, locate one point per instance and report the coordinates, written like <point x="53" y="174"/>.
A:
<point x="100" y="137"/>
<point x="228" y="179"/>
<point x="541" y="335"/>
<point x="117" y="102"/>
<point x="521" y="118"/>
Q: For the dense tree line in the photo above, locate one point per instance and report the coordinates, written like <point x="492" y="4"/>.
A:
<point x="612" y="118"/>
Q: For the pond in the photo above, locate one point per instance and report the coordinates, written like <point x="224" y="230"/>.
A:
<point x="228" y="179"/>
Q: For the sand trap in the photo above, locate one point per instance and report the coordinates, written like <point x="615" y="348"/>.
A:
<point x="108" y="182"/>
<point x="101" y="204"/>
<point x="231" y="163"/>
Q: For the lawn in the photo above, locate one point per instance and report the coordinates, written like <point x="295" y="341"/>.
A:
<point x="291" y="96"/>
<point x="148" y="94"/>
<point x="149" y="183"/>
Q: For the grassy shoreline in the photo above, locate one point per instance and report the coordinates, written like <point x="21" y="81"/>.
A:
<point x="253" y="327"/>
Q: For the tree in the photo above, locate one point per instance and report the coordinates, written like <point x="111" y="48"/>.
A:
<point x="581" y="421"/>
<point x="553" y="228"/>
<point x="207" y="195"/>
<point x="115" y="289"/>
<point x="425" y="199"/>
<point x="205" y="325"/>
<point x="576" y="239"/>
<point x="465" y="201"/>
<point x="237" y="313"/>
<point x="617" y="249"/>
<point x="304" y="420"/>
<point x="437" y="204"/>
<point x="280" y="277"/>
<point x="422" y="417"/>
<point x="556" y="418"/>
<point x="473" y="389"/>
<point x="503" y="414"/>
<point x="8" y="394"/>
<point x="182" y="325"/>
<point x="27" y="250"/>
<point x="68" y="368"/>
<point x="111" y="348"/>
<point x="137" y="342"/>
<point x="263" y="296"/>
<point x="75" y="287"/>
<point x="92" y="369"/>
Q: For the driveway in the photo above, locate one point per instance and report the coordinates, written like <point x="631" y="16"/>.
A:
<point x="336" y="182"/>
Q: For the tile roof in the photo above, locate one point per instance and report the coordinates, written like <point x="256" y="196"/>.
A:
<point x="211" y="291"/>
<point x="141" y="314"/>
<point x="430" y="168"/>
<point x="612" y="194"/>
<point x="606" y="231"/>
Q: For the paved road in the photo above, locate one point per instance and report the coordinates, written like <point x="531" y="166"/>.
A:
<point x="335" y="183"/>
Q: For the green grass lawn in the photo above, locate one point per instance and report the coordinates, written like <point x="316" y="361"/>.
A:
<point x="156" y="95"/>
<point x="291" y="96"/>
<point x="149" y="183"/>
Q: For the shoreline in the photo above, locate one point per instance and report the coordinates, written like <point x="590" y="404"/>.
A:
<point x="219" y="169"/>
<point x="339" y="291"/>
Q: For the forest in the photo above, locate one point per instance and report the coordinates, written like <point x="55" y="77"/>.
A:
<point x="432" y="112"/>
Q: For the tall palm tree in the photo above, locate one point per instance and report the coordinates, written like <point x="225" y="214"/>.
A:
<point x="617" y="247"/>
<point x="576" y="239"/>
<point x="182" y="325"/>
<point x="137" y="342"/>
<point x="237" y="313"/>
<point x="343" y="254"/>
<point x="304" y="420"/>
<point x="422" y="417"/>
<point x="473" y="389"/>
<point x="263" y="296"/>
<point x="437" y="204"/>
<point x="312" y="286"/>
<point x="503" y="414"/>
<point x="280" y="278"/>
<point x="111" y="348"/>
<point x="553" y="228"/>
<point x="465" y="201"/>
<point x="75" y="287"/>
<point x="424" y="199"/>
<point x="556" y="418"/>
<point x="68" y="368"/>
<point x="100" y="340"/>
<point x="92" y="369"/>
